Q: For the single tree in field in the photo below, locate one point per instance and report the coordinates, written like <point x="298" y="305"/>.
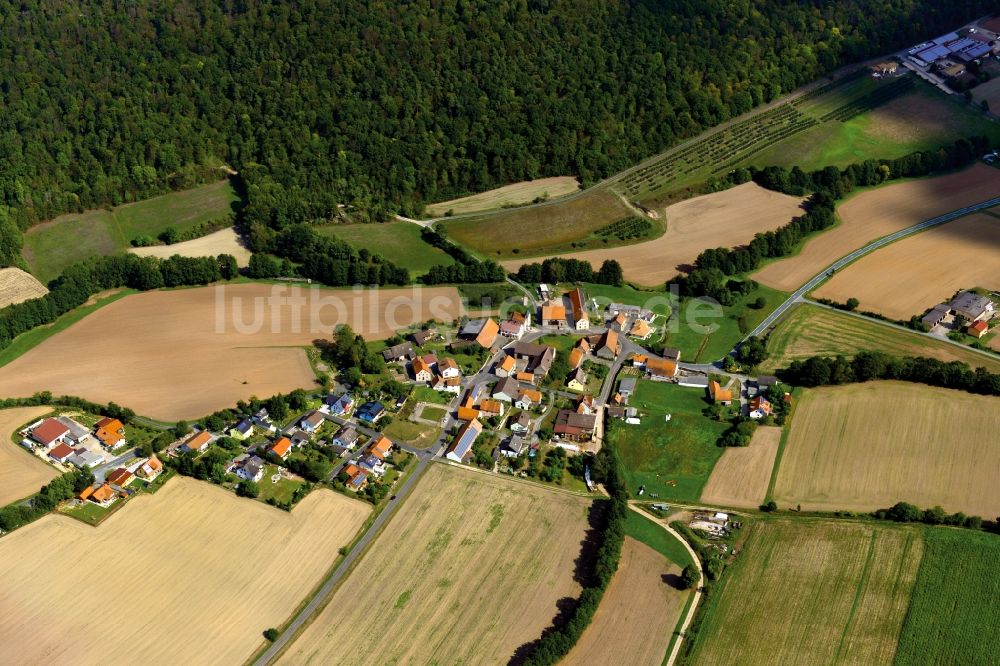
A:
<point x="690" y="577"/>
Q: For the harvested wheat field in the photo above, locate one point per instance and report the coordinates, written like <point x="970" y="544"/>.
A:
<point x="814" y="592"/>
<point x="21" y="473"/>
<point x="189" y="575"/>
<point x="861" y="447"/>
<point x="909" y="277"/>
<point x="742" y="475"/>
<point x="879" y="212"/>
<point x="469" y="570"/>
<point x="638" y="613"/>
<point x="810" y="330"/>
<point x="224" y="241"/>
<point x="185" y="353"/>
<point x="508" y="195"/>
<point x="16" y="286"/>
<point x="721" y="219"/>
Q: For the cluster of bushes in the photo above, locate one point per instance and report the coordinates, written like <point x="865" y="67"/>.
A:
<point x="349" y="353"/>
<point x="115" y="411"/>
<point x="45" y="500"/>
<point x="327" y="260"/>
<point x="466" y="268"/>
<point x="903" y="512"/>
<point x="868" y="365"/>
<point x="557" y="269"/>
<point x="739" y="433"/>
<point x="606" y="468"/>
<point x="82" y="280"/>
<point x="626" y="229"/>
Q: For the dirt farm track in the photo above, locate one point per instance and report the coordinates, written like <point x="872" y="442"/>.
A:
<point x="181" y="354"/>
<point x="190" y="575"/>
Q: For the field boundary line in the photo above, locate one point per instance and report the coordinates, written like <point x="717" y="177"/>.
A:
<point x="517" y="479"/>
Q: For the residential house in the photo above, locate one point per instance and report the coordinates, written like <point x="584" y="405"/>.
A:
<point x="575" y="357"/>
<point x="121" y="477"/>
<point x="61" y="452"/>
<point x="110" y="433"/>
<point x="398" y="353"/>
<point x="85" y="493"/>
<point x="528" y="398"/>
<point x="525" y="377"/>
<point x="372" y="463"/>
<point x="513" y="446"/>
<point x="972" y="306"/>
<point x="467" y="413"/>
<point x="357" y="478"/>
<point x="298" y="436"/>
<point x="718" y="394"/>
<point x="505" y="367"/>
<point x="936" y="315"/>
<point x="281" y="448"/>
<point x="640" y="329"/>
<point x="553" y="314"/>
<point x="760" y="407"/>
<point x="197" y="442"/>
<point x="581" y="320"/>
<point x="585" y="404"/>
<point x="639" y="361"/>
<point x="104" y="495"/>
<point x="263" y="421"/>
<point x="312" y="421"/>
<point x="339" y="406"/>
<point x="521" y="424"/>
<point x="449" y="385"/>
<point x="490" y="408"/>
<point x="241" y="430"/>
<point x="577" y="380"/>
<point x="537" y="359"/>
<point x="448" y="368"/>
<point x="77" y="433"/>
<point x="347" y="437"/>
<point x="516" y="326"/>
<point x="422" y="371"/>
<point x="150" y="469"/>
<point x="615" y="309"/>
<point x="609" y="346"/>
<point x="250" y="468"/>
<point x="420" y="338"/>
<point x="461" y="446"/>
<point x="506" y="390"/>
<point x="618" y="323"/>
<point x="661" y="370"/>
<point x="573" y="426"/>
<point x="50" y="432"/>
<point x="483" y="332"/>
<point x="371" y="412"/>
<point x="765" y="382"/>
<point x="381" y="446"/>
<point x="977" y="329"/>
<point x="626" y="387"/>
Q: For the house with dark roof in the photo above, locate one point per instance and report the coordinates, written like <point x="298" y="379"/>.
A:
<point x="626" y="387"/>
<point x="609" y="346"/>
<point x="371" y="412"/>
<point x="521" y="424"/>
<point x="577" y="380"/>
<point x="121" y="477"/>
<point x="312" y="421"/>
<point x="241" y="430"/>
<point x="513" y="446"/>
<point x="347" y="437"/>
<point x="398" y="353"/>
<point x="506" y="390"/>
<point x="420" y="338"/>
<point x="250" y="468"/>
<point x="537" y="359"/>
<point x="972" y="306"/>
<point x="339" y="405"/>
<point x="573" y="426"/>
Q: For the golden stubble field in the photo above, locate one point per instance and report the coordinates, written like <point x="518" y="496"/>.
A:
<point x="637" y="614"/>
<point x="17" y="286"/>
<point x="906" y="278"/>
<point x="224" y="241"/>
<point x="185" y="353"/>
<point x="21" y="473"/>
<point x="722" y="219"/>
<point x="879" y="212"/>
<point x="508" y="195"/>
<point x="742" y="475"/>
<point x="866" y="446"/>
<point x="812" y="592"/>
<point x="190" y="575"/>
<point x="469" y="570"/>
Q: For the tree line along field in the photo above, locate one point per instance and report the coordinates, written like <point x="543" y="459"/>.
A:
<point x="51" y="246"/>
<point x="810" y="330"/>
<point x="191" y="574"/>
<point x="399" y="242"/>
<point x="21" y="473"/>
<point x="509" y="195"/>
<point x="473" y="566"/>
<point x="861" y="447"/>
<point x="908" y="278"/>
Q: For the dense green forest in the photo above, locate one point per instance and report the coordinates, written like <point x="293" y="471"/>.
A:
<point x="385" y="105"/>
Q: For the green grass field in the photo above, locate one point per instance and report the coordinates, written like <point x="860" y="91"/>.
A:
<point x="657" y="301"/>
<point x="281" y="491"/>
<point x="52" y="246"/>
<point x="433" y="413"/>
<point x="954" y="614"/>
<point x="648" y="532"/>
<point x="399" y="242"/>
<point x="660" y="454"/>
<point x="810" y="330"/>
<point x="710" y="338"/>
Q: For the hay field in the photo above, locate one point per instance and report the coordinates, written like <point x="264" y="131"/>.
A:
<point x="742" y="475"/>
<point x="16" y="286"/>
<point x="917" y="273"/>
<point x="171" y="355"/>
<point x="810" y="330"/>
<point x="469" y="570"/>
<point x="224" y="241"/>
<point x="861" y="447"/>
<point x="192" y="574"/>
<point x="508" y="195"/>
<point x="21" y="473"/>
<point x="812" y="592"/>
<point x="721" y="219"/>
<point x="637" y="614"/>
<point x="879" y="212"/>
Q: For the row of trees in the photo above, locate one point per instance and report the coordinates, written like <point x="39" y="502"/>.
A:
<point x="45" y="500"/>
<point x="466" y="269"/>
<point x="904" y="512"/>
<point x="557" y="269"/>
<point x="868" y="365"/>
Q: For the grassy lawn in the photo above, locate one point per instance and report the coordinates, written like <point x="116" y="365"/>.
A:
<point x="710" y="338"/>
<point x="562" y="343"/>
<point x="657" y="301"/>
<point x="399" y="242"/>
<point x="51" y="246"/>
<point x="281" y="491"/>
<point x="433" y="413"/>
<point x="672" y="459"/>
<point x="414" y="434"/>
<point x="425" y="394"/>
<point x="89" y="512"/>
<point x="653" y="535"/>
